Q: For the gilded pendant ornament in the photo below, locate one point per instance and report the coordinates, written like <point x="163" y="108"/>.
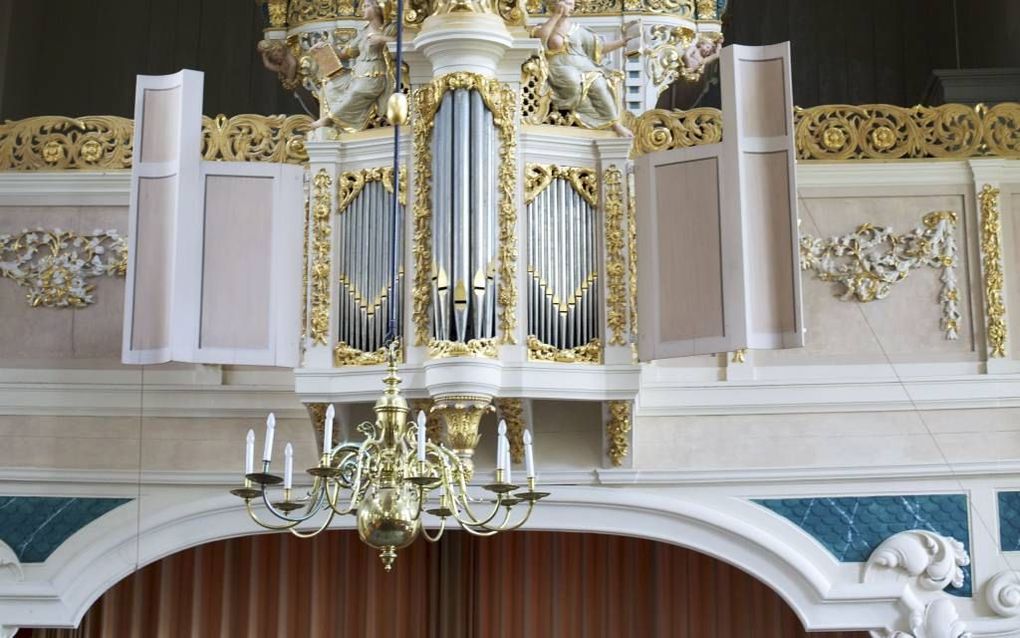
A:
<point x="55" y="265"/>
<point x="538" y="177"/>
<point x="616" y="265"/>
<point x="486" y="348"/>
<point x="618" y="431"/>
<point x="663" y="130"/>
<point x="991" y="265"/>
<point x="512" y="411"/>
<point x="882" y="131"/>
<point x="350" y="184"/>
<point x="632" y="254"/>
<point x="501" y="100"/>
<point x="868" y="262"/>
<point x="590" y="352"/>
<point x="321" y="258"/>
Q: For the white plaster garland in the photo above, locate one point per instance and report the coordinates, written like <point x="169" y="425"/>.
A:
<point x="871" y="260"/>
<point x="1002" y="593"/>
<point x="55" y="264"/>
<point x="935" y="561"/>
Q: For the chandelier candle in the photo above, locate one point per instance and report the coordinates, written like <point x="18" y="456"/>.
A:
<point x="249" y="452"/>
<point x="529" y="455"/>
<point x="267" y="452"/>
<point x="421" y="437"/>
<point x="327" y="430"/>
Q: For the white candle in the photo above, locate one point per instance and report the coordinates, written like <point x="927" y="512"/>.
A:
<point x="421" y="436"/>
<point x="529" y="455"/>
<point x="327" y="430"/>
<point x="267" y="453"/>
<point x="249" y="453"/>
<point x="508" y="477"/>
<point x="288" y="467"/>
<point x="501" y="443"/>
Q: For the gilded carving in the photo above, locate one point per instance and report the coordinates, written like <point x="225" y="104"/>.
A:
<point x="616" y="264"/>
<point x="632" y="253"/>
<point x="350" y="183"/>
<point x="433" y="424"/>
<point x="618" y="431"/>
<point x="590" y="352"/>
<point x="321" y="258"/>
<point x="53" y="142"/>
<point x="345" y="355"/>
<point x="501" y="100"/>
<point x="277" y="10"/>
<point x="302" y="11"/>
<point x="868" y="262"/>
<point x="663" y="130"/>
<point x="255" y="138"/>
<point x="512" y="411"/>
<point x="991" y="265"/>
<point x="55" y="265"/>
<point x="537" y="178"/>
<point x="739" y="356"/>
<point x="676" y="52"/>
<point x="472" y="348"/>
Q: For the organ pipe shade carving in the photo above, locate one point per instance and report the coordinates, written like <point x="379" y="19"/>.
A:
<point x="465" y="156"/>
<point x="562" y="244"/>
<point x="364" y="227"/>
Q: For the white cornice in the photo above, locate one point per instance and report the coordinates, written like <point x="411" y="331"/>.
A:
<point x="65" y="188"/>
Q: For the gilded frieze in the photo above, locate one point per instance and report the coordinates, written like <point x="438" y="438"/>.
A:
<point x="590" y="352"/>
<point x="663" y="130"/>
<point x="350" y="184"/>
<point x="255" y="138"/>
<point x="584" y="181"/>
<point x="486" y="348"/>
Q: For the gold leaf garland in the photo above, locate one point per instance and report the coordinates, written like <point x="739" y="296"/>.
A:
<point x="663" y="130"/>
<point x="632" y="252"/>
<point x="54" y="265"/>
<point x="590" y="352"/>
<point x="616" y="266"/>
<point x="486" y="348"/>
<point x="100" y="142"/>
<point x="618" y="431"/>
<point x="345" y="355"/>
<point x="870" y="261"/>
<point x="512" y="411"/>
<point x="321" y="262"/>
<point x="991" y="263"/>
<point x="256" y="138"/>
<point x="350" y="184"/>
<point x="584" y="181"/>
<point x="501" y="100"/>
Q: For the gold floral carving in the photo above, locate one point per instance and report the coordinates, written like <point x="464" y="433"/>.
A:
<point x="618" y="431"/>
<point x="277" y="13"/>
<point x="349" y="184"/>
<point x="664" y="56"/>
<point x="501" y="100"/>
<point x="663" y="130"/>
<point x="882" y="131"/>
<point x="51" y="142"/>
<point x="678" y="8"/>
<point x="433" y="424"/>
<point x="512" y="411"/>
<point x="537" y="178"/>
<point x="870" y="261"/>
<point x="739" y="356"/>
<point x="590" y="352"/>
<point x="473" y="348"/>
<point x="54" y="265"/>
<point x="256" y="138"/>
<point x="707" y="10"/>
<point x="302" y="11"/>
<point x="317" y="415"/>
<point x="632" y="254"/>
<point x="991" y="263"/>
<point x="321" y="260"/>
<point x="536" y="96"/>
<point x="616" y="265"/>
<point x="345" y="355"/>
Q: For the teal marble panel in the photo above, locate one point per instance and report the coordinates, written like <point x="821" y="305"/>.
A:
<point x="35" y="526"/>
<point x="1009" y="521"/>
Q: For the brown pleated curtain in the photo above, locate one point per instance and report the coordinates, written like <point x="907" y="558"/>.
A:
<point x="525" y="584"/>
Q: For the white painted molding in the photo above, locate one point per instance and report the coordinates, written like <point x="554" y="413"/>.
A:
<point x="939" y="619"/>
<point x="65" y="188"/>
<point x="933" y="560"/>
<point x="7" y="631"/>
<point x="10" y="565"/>
<point x="834" y="175"/>
<point x="1002" y="593"/>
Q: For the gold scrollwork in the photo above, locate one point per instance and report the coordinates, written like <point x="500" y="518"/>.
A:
<point x="512" y="411"/>
<point x="501" y="100"/>
<point x="590" y="352"/>
<point x="473" y="348"/>
<point x="256" y="138"/>
<point x="350" y="183"/>
<point x="100" y="142"/>
<point x="536" y="96"/>
<point x="345" y="355"/>
<point x="991" y="265"/>
<point x="618" y="431"/>
<point x="882" y="131"/>
<point x="537" y="178"/>
<point x="868" y="262"/>
<point x="632" y="252"/>
<point x="664" y="57"/>
<point x="616" y="266"/>
<point x="54" y="264"/>
<point x="277" y="10"/>
<point x="663" y="130"/>
<point x="302" y="11"/>
<point x="321" y="261"/>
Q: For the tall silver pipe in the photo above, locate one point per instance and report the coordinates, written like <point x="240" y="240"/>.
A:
<point x="341" y="301"/>
<point x="442" y="137"/>
<point x="462" y="174"/>
<point x="576" y="266"/>
<point x="478" y="212"/>
<point x="492" y="220"/>
<point x="547" y="246"/>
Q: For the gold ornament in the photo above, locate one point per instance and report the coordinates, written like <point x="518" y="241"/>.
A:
<point x="256" y="138"/>
<point x="345" y="355"/>
<point x="512" y="411"/>
<point x="53" y="142"/>
<point x="991" y="263"/>
<point x="632" y="253"/>
<point x="322" y="229"/>
<point x="590" y="352"/>
<point x="618" y="431"/>
<point x="663" y="130"/>
<point x="472" y="348"/>
<point x="537" y="178"/>
<point x="616" y="266"/>
<point x="349" y="184"/>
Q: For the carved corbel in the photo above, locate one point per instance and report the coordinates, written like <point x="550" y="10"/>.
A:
<point x="939" y="619"/>
<point x="1002" y="593"/>
<point x="10" y="566"/>
<point x="935" y="561"/>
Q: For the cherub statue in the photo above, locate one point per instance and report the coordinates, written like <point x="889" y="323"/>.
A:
<point x="701" y="52"/>
<point x="353" y="96"/>
<point x="578" y="81"/>
<point x="277" y="57"/>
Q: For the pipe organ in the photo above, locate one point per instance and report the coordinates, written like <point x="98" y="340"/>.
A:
<point x="562" y="249"/>
<point x="364" y="225"/>
<point x="465" y="152"/>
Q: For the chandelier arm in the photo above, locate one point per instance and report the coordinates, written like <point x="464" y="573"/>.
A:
<point x="313" y="509"/>
<point x="503" y="527"/>
<point x="276" y="528"/>
<point x="473" y="519"/>
<point x="474" y="531"/>
<point x="439" y="534"/>
<point x="319" y="530"/>
<point x="333" y="489"/>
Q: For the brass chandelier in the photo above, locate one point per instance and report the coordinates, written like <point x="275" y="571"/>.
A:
<point x="386" y="479"/>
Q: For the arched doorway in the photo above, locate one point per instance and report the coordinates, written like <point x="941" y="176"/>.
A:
<point x="533" y="584"/>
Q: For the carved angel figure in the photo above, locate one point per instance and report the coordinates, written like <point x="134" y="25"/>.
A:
<point x="353" y="96"/>
<point x="278" y="58"/>
<point x="578" y="81"/>
<point x="701" y="52"/>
